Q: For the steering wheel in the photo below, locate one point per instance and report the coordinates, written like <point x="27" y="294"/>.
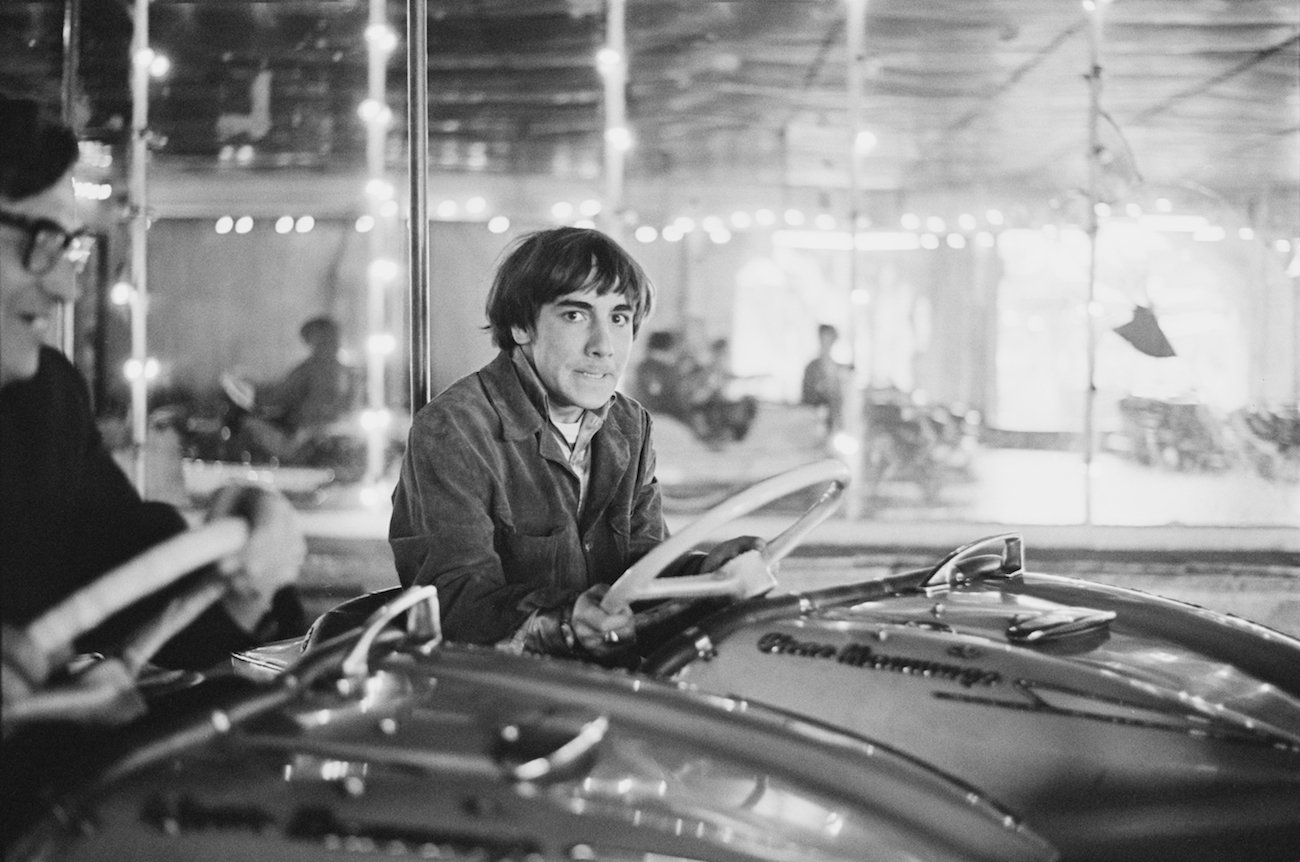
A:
<point x="749" y="574"/>
<point x="48" y="640"/>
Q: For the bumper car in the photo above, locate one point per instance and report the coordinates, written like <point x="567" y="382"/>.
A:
<point x="1117" y="724"/>
<point x="970" y="709"/>
<point x="384" y="742"/>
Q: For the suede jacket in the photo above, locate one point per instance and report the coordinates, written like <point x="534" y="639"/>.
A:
<point x="487" y="506"/>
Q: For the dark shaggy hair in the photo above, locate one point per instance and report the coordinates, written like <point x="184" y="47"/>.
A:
<point x="35" y="150"/>
<point x="548" y="264"/>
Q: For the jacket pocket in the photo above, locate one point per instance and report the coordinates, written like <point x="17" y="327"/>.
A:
<point x="533" y="559"/>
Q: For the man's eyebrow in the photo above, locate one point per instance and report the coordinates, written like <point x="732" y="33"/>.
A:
<point x="587" y="306"/>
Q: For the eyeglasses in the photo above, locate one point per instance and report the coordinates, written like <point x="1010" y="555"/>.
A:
<point x="48" y="242"/>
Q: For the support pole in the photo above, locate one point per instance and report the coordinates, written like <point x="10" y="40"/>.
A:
<point x="417" y="101"/>
<point x="854" y="426"/>
<point x="66" y="334"/>
<point x="139" y="209"/>
<point x="379" y="277"/>
<point x="613" y="65"/>
<point x="1094" y="10"/>
<point x="71" y="61"/>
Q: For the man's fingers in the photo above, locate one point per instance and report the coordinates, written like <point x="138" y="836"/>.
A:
<point x="597" y="629"/>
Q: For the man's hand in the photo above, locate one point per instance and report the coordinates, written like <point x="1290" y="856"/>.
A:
<point x="599" y="632"/>
<point x="273" y="555"/>
<point x="731" y="548"/>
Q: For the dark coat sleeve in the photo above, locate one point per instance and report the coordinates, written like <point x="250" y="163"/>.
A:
<point x="71" y="514"/>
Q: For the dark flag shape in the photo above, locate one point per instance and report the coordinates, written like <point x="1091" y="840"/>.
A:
<point x="1143" y="332"/>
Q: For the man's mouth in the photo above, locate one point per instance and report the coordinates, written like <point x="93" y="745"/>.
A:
<point x="593" y="375"/>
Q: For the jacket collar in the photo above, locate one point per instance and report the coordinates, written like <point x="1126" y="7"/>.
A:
<point x="517" y="394"/>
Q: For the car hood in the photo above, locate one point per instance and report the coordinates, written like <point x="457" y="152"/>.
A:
<point x="471" y="753"/>
<point x="1099" y="714"/>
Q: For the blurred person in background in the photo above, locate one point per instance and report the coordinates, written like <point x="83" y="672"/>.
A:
<point x="823" y="380"/>
<point x="528" y="487"/>
<point x="657" y="383"/>
<point x="729" y="416"/>
<point x="286" y="416"/>
<point x="673" y="381"/>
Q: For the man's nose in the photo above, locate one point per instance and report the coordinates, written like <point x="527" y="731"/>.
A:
<point x="600" y="340"/>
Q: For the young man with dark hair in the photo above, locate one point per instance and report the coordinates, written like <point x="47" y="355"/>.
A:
<point x="529" y="486"/>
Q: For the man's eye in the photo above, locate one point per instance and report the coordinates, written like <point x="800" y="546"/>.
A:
<point x="622" y="318"/>
<point x="572" y="314"/>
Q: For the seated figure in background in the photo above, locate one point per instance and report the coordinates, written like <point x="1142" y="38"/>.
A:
<point x="728" y="417"/>
<point x="287" y="416"/>
<point x="672" y="381"/>
<point x="657" y="383"/>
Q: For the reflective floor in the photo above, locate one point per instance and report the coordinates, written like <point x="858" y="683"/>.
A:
<point x="990" y="485"/>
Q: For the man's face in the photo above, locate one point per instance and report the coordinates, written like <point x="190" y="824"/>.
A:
<point x="580" y="347"/>
<point x="27" y="301"/>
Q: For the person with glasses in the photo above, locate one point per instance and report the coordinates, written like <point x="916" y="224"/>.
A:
<point x="68" y="511"/>
<point x="48" y="243"/>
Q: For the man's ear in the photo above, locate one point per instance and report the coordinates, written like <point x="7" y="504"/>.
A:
<point x="520" y="335"/>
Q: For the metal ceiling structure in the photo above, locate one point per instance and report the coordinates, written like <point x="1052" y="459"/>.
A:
<point x="964" y="97"/>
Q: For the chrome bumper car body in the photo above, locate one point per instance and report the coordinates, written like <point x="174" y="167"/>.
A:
<point x="383" y="744"/>
<point x="1118" y="723"/>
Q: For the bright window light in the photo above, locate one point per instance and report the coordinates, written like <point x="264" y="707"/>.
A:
<point x="121" y="293"/>
<point x="382" y="270"/>
<point x="619" y="137"/>
<point x="381" y="37"/>
<point x="381" y="344"/>
<point x="159" y="66"/>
